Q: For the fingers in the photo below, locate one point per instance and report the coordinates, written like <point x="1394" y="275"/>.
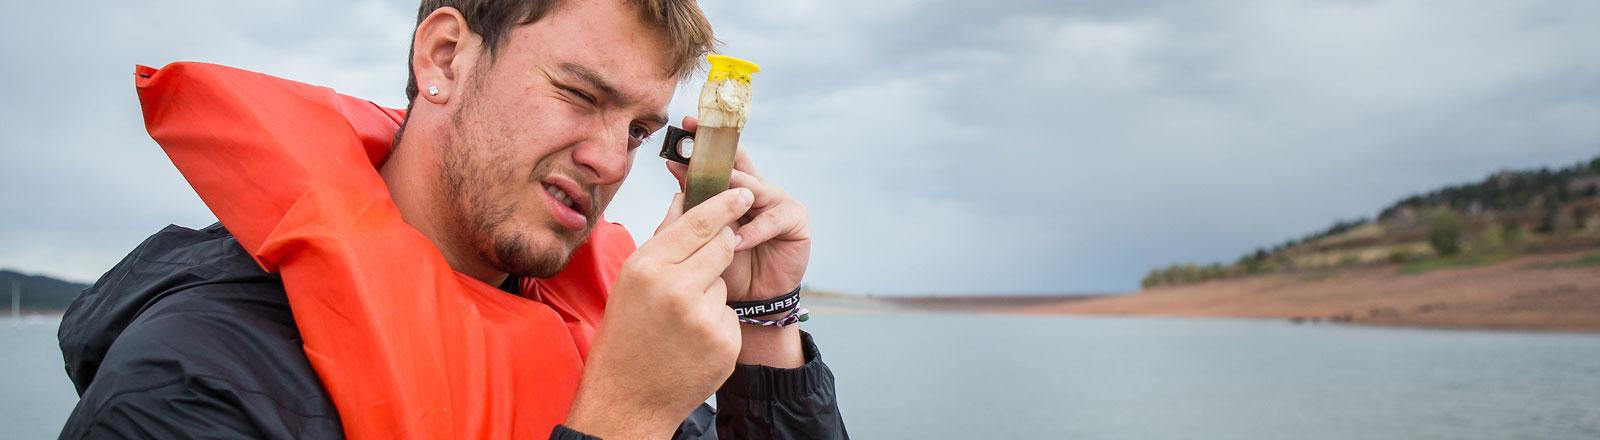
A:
<point x="767" y="194"/>
<point x="674" y="211"/>
<point x="711" y="259"/>
<point x="689" y="232"/>
<point x="786" y="223"/>
<point x="742" y="162"/>
<point x="773" y="215"/>
<point x="678" y="171"/>
<point x="717" y="294"/>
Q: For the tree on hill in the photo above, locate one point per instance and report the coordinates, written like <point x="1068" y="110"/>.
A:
<point x="1445" y="230"/>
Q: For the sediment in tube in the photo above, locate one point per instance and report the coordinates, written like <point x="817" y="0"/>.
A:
<point x="724" y="105"/>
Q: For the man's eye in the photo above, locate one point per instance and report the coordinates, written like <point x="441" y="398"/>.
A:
<point x="637" y="134"/>
<point x="579" y="93"/>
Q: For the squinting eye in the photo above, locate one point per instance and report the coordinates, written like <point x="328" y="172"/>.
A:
<point x="580" y="94"/>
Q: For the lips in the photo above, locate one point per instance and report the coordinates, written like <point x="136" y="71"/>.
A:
<point x="571" y="204"/>
<point x="561" y="196"/>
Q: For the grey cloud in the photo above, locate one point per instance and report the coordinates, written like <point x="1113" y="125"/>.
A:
<point x="88" y="180"/>
<point x="1128" y="137"/>
<point x="943" y="147"/>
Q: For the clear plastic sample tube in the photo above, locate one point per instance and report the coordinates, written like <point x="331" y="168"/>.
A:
<point x="724" y="103"/>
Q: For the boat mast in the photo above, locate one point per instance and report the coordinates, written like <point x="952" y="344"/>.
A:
<point x="16" y="299"/>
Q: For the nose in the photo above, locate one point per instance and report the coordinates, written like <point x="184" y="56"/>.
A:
<point x="605" y="155"/>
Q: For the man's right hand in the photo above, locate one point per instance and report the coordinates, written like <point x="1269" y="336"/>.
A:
<point x="668" y="340"/>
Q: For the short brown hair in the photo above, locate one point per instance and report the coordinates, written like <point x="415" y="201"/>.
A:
<point x="687" y="32"/>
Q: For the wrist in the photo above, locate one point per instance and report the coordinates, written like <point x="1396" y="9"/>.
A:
<point x="777" y="347"/>
<point x="603" y="409"/>
<point x="767" y="344"/>
<point x="774" y="305"/>
<point x="612" y="420"/>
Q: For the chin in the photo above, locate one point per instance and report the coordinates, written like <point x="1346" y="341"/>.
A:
<point x="527" y="255"/>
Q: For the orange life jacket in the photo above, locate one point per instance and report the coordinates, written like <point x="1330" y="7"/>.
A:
<point x="406" y="347"/>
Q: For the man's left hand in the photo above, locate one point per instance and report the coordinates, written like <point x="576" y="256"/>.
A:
<point x="775" y="236"/>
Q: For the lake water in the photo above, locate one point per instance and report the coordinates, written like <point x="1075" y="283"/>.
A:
<point x="954" y="376"/>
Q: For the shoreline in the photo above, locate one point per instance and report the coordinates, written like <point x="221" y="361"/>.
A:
<point x="1509" y="295"/>
<point x="1526" y="293"/>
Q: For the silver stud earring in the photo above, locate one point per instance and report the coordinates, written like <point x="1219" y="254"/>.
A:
<point x="433" y="90"/>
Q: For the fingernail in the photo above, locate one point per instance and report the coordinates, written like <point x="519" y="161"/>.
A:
<point x="746" y="197"/>
<point x="736" y="240"/>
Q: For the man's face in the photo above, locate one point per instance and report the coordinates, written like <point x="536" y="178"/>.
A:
<point x="544" y="133"/>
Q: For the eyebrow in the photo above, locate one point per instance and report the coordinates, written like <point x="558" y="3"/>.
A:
<point x="611" y="93"/>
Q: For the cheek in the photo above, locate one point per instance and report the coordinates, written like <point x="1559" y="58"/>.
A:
<point x="494" y="175"/>
<point x="606" y="194"/>
<point x="609" y="191"/>
<point x="515" y="142"/>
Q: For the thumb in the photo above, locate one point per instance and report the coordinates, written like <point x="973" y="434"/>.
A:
<point x="679" y="172"/>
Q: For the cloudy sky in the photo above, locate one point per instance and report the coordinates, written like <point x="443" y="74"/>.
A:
<point x="943" y="147"/>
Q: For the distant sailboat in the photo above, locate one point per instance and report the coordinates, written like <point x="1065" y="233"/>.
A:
<point x="16" y="302"/>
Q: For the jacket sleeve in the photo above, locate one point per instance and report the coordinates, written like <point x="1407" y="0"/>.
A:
<point x="760" y="402"/>
<point x="562" y="432"/>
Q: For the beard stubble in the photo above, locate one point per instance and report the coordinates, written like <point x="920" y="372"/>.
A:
<point x="473" y="166"/>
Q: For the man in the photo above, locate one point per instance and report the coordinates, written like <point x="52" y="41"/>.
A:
<point x="523" y="122"/>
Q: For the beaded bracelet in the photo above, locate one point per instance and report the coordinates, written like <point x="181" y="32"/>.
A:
<point x="798" y="315"/>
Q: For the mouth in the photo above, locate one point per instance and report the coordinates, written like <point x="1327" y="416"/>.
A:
<point x="572" y="204"/>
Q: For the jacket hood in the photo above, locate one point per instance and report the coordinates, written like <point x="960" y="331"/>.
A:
<point x="168" y="262"/>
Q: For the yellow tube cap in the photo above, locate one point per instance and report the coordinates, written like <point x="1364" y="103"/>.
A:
<point x="726" y="67"/>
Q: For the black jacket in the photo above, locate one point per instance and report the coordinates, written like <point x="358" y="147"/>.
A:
<point x="188" y="338"/>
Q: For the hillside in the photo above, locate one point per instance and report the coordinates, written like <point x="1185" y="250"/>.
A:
<point x="1516" y="250"/>
<point x="38" y="294"/>
<point x="1504" y="216"/>
<point x="1557" y="291"/>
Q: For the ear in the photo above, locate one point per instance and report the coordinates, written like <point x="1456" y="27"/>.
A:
<point x="443" y="50"/>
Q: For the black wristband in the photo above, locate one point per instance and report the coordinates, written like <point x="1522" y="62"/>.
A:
<point x="780" y="304"/>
